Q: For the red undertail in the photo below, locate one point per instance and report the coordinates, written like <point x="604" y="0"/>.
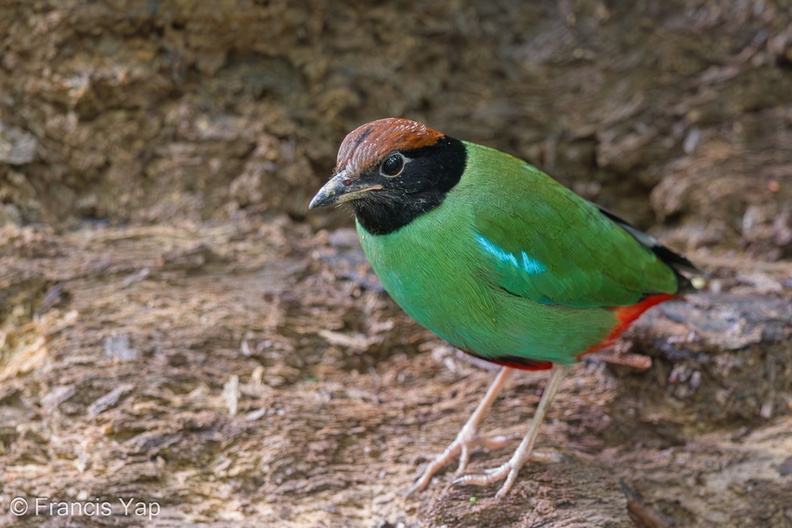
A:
<point x="626" y="316"/>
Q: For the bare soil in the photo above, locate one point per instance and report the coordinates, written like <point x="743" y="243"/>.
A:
<point x="243" y="373"/>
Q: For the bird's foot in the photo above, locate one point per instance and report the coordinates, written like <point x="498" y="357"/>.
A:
<point x="463" y="445"/>
<point x="509" y="470"/>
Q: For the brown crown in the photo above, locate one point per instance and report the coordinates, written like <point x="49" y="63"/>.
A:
<point x="366" y="146"/>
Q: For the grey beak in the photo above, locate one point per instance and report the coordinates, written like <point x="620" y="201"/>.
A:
<point x="341" y="188"/>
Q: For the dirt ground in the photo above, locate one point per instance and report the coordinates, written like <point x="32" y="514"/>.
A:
<point x="177" y="331"/>
<point x="250" y="373"/>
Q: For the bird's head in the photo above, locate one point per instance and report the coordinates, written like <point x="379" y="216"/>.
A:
<point x="391" y="171"/>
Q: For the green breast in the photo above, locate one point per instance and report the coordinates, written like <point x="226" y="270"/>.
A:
<point x="435" y="269"/>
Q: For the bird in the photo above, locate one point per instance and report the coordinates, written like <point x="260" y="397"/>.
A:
<point x="498" y="259"/>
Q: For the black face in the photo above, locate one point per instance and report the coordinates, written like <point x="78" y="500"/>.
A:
<point x="413" y="183"/>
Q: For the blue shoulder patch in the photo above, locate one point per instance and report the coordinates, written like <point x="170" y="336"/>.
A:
<point x="521" y="261"/>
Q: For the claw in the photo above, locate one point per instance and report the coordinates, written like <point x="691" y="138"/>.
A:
<point x="464" y="444"/>
<point x="487" y="477"/>
<point x="510" y="470"/>
<point x="467" y="438"/>
<point x="524" y="452"/>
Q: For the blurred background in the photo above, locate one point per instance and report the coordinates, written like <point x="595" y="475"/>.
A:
<point x="174" y="324"/>
<point x="146" y="111"/>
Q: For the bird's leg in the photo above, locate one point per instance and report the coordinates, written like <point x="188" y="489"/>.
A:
<point x="523" y="453"/>
<point x="468" y="435"/>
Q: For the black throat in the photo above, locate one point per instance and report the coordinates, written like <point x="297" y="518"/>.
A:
<point x="422" y="186"/>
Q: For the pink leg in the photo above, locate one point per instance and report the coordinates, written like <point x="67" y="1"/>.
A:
<point x="468" y="436"/>
<point x="523" y="453"/>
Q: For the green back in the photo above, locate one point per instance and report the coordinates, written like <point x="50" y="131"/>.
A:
<point x="514" y="264"/>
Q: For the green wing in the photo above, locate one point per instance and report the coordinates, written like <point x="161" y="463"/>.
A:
<point x="542" y="242"/>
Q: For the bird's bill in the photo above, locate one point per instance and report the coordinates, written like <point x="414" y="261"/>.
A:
<point x="341" y="188"/>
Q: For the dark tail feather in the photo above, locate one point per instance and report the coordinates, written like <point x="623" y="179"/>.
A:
<point x="683" y="268"/>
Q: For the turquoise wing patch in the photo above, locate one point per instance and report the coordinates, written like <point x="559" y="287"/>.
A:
<point x="521" y="261"/>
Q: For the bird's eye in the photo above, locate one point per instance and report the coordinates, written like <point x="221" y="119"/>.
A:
<point x="393" y="165"/>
